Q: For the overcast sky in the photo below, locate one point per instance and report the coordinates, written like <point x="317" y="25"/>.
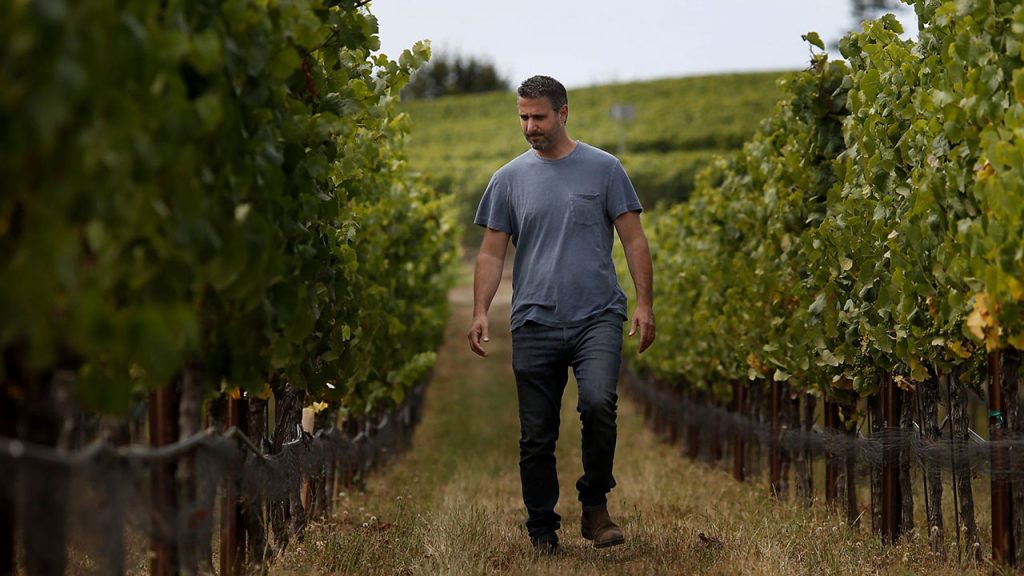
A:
<point x="588" y="42"/>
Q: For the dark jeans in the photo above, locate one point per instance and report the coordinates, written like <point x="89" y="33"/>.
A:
<point x="541" y="358"/>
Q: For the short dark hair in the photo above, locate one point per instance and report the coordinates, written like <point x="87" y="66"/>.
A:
<point x="544" y="87"/>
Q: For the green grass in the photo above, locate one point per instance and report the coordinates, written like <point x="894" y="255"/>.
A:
<point x="452" y="505"/>
<point x="680" y="124"/>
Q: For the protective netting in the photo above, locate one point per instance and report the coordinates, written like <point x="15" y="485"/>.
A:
<point x="101" y="504"/>
<point x="869" y="452"/>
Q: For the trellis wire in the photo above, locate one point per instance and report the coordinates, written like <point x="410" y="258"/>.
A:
<point x="106" y="488"/>
<point x="869" y="451"/>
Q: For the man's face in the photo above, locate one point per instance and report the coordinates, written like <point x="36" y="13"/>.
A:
<point x="542" y="125"/>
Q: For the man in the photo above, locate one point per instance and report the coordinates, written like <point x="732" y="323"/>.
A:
<point x="558" y="203"/>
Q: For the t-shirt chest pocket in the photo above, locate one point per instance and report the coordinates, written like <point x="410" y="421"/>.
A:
<point x="587" y="208"/>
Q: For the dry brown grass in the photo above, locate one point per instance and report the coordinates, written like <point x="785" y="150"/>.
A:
<point x="453" y="506"/>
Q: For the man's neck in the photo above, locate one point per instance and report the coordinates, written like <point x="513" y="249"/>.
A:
<point x="558" y="151"/>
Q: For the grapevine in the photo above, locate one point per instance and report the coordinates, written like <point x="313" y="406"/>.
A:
<point x="213" y="187"/>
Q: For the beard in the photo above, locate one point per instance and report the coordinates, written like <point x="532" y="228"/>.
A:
<point x="538" y="141"/>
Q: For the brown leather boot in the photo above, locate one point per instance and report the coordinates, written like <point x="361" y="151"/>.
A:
<point x="547" y="547"/>
<point x="598" y="526"/>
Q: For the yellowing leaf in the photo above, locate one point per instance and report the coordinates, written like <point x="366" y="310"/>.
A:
<point x="957" y="348"/>
<point x="982" y="322"/>
<point x="979" y="318"/>
<point x="755" y="363"/>
<point x="266" y="393"/>
<point x="842" y="383"/>
<point x="976" y="324"/>
<point x="985" y="172"/>
<point x="234" y="393"/>
<point x="319" y="407"/>
<point x="918" y="371"/>
<point x="1015" y="287"/>
<point x="904" y="383"/>
<point x="1017" y="341"/>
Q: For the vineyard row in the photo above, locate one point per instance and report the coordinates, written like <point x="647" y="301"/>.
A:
<point x="204" y="200"/>
<point x="867" y="242"/>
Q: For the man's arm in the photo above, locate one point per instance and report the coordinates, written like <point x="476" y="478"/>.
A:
<point x="489" y="265"/>
<point x="638" y="257"/>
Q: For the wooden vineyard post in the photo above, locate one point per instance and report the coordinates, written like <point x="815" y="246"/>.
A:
<point x="891" y="513"/>
<point x="306" y="491"/>
<point x="852" y="513"/>
<point x="906" y="425"/>
<point x="1010" y="379"/>
<point x="243" y="539"/>
<point x="673" y="423"/>
<point x="831" y="461"/>
<point x="7" y="529"/>
<point x="163" y="411"/>
<point x="786" y="417"/>
<point x="647" y="404"/>
<point x="254" y="530"/>
<point x="1002" y="536"/>
<point x="659" y="410"/>
<point x="351" y="429"/>
<point x="194" y="532"/>
<point x="928" y="397"/>
<point x="802" y="407"/>
<point x="714" y="439"/>
<point x="8" y="417"/>
<point x="232" y="548"/>
<point x="692" y="435"/>
<point x="738" y="448"/>
<point x="775" y="465"/>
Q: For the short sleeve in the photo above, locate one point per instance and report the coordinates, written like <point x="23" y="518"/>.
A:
<point x="621" y="197"/>
<point x="493" y="211"/>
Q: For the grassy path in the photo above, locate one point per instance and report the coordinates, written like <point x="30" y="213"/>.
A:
<point x="453" y="506"/>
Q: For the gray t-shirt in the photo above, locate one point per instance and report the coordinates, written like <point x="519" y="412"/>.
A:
<point x="560" y="214"/>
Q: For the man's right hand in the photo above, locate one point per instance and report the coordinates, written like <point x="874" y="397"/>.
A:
<point x="489" y="265"/>
<point x="478" y="335"/>
<point x="486" y="277"/>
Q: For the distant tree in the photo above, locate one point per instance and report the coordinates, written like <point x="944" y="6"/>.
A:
<point x="870" y="9"/>
<point x="862" y="10"/>
<point x="447" y="74"/>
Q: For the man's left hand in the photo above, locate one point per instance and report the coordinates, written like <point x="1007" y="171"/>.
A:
<point x="643" y="320"/>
